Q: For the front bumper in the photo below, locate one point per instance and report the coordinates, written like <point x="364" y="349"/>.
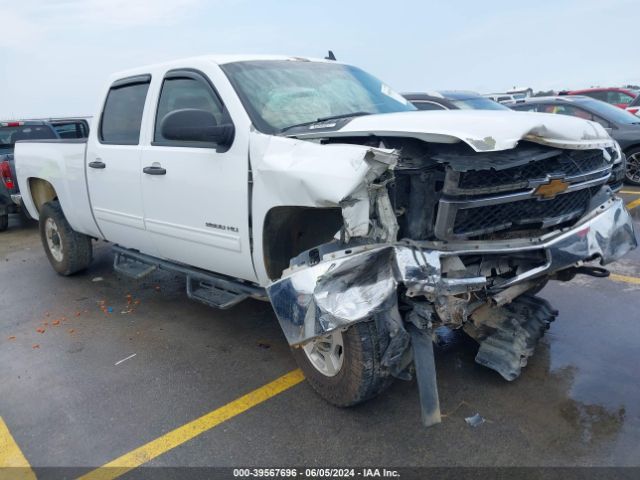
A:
<point x="352" y="285"/>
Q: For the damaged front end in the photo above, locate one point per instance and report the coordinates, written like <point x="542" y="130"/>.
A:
<point x="446" y="235"/>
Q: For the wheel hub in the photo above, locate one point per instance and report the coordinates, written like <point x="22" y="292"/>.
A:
<point x="326" y="353"/>
<point x="633" y="167"/>
<point x="53" y="240"/>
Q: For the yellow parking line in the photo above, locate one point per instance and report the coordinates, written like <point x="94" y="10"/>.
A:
<point x="630" y="192"/>
<point x="11" y="457"/>
<point x="624" y="278"/>
<point x="633" y="204"/>
<point x="180" y="435"/>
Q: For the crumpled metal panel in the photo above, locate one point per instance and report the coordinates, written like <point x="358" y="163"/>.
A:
<point x="482" y="130"/>
<point x="342" y="289"/>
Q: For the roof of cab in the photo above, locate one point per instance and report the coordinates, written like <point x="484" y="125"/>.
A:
<point x="216" y="59"/>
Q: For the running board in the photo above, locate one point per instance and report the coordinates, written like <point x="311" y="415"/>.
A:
<point x="212" y="289"/>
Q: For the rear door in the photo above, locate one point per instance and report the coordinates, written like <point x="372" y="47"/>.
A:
<point x="196" y="194"/>
<point x="114" y="168"/>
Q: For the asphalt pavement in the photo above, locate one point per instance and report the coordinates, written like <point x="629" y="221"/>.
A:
<point x="96" y="366"/>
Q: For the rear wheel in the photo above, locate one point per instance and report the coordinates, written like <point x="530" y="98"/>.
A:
<point x="68" y="251"/>
<point x="343" y="367"/>
<point x="4" y="222"/>
<point x="632" y="174"/>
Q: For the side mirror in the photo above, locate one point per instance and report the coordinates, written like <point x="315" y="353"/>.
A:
<point x="194" y="125"/>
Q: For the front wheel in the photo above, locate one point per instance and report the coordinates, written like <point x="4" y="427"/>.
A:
<point x="632" y="174"/>
<point x="68" y="251"/>
<point x="4" y="222"/>
<point x="343" y="367"/>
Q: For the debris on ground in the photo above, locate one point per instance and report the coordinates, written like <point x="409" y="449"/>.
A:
<point x="124" y="359"/>
<point x="35" y="345"/>
<point x="474" y="420"/>
<point x="97" y="279"/>
<point x="55" y="323"/>
<point x="40" y="330"/>
<point x="12" y="337"/>
<point x="264" y="345"/>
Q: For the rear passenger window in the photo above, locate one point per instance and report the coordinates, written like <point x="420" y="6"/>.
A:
<point x="186" y="92"/>
<point x="122" y="114"/>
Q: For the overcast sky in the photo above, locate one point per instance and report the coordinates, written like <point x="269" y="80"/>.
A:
<point x="56" y="54"/>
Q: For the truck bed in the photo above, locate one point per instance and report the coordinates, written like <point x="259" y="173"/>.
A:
<point x="62" y="163"/>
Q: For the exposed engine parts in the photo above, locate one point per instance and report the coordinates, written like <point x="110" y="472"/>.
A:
<point x="438" y="235"/>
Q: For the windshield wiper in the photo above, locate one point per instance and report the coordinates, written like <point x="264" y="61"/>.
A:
<point x="324" y="119"/>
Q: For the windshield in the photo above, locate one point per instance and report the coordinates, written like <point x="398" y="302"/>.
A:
<point x="609" y="112"/>
<point x="9" y="135"/>
<point x="478" y="103"/>
<point x="282" y="93"/>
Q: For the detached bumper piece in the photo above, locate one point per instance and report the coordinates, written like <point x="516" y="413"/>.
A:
<point x="514" y="339"/>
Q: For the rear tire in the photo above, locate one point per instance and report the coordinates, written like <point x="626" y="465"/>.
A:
<point x="354" y="378"/>
<point x="4" y="222"/>
<point x="632" y="174"/>
<point x="67" y="250"/>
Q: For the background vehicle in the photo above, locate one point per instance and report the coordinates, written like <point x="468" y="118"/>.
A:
<point x="367" y="224"/>
<point x="620" y="97"/>
<point x="452" y="100"/>
<point x="634" y="106"/>
<point x="621" y="125"/>
<point x="10" y="133"/>
<point x="505" y="97"/>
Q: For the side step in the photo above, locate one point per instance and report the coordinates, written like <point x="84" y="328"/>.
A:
<point x="218" y="291"/>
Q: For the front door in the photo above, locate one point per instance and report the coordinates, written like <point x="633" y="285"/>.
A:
<point x="195" y="194"/>
<point x="113" y="165"/>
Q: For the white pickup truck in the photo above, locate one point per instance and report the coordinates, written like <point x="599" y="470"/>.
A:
<point x="312" y="184"/>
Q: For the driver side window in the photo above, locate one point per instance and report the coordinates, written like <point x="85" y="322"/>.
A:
<point x="185" y="93"/>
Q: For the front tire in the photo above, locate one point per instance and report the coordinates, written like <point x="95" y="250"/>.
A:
<point x="344" y="366"/>
<point x="632" y="174"/>
<point x="4" y="222"/>
<point x="67" y="250"/>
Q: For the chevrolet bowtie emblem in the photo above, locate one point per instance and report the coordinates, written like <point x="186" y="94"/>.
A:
<point x="551" y="189"/>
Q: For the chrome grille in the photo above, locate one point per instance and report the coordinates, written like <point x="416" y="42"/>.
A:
<point x="567" y="163"/>
<point x="478" y="202"/>
<point x="531" y="213"/>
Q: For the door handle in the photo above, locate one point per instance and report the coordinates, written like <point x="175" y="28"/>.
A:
<point x="154" y="170"/>
<point x="97" y="164"/>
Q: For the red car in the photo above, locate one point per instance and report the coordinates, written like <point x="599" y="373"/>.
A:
<point x="620" y="97"/>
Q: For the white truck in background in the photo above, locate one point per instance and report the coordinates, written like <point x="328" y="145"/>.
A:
<point x="314" y="185"/>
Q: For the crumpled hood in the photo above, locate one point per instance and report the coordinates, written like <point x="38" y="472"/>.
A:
<point x="482" y="130"/>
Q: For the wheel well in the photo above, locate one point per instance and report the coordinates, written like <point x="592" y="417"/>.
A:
<point x="41" y="192"/>
<point x="289" y="231"/>
<point x="631" y="147"/>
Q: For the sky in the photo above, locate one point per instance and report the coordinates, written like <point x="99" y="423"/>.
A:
<point x="55" y="55"/>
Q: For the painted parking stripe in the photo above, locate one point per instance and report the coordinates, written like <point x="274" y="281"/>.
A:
<point x="13" y="463"/>
<point x="624" y="278"/>
<point x="630" y="192"/>
<point x="634" y="204"/>
<point x="180" y="435"/>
